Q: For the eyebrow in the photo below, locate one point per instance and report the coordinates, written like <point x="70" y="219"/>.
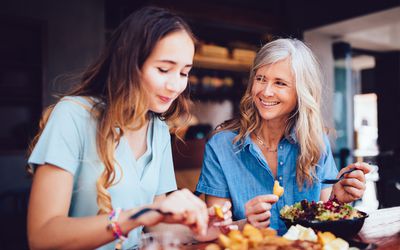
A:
<point x="173" y="62"/>
<point x="283" y="80"/>
<point x="276" y="79"/>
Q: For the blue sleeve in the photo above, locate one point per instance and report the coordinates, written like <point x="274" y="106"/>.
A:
<point x="212" y="180"/>
<point x="167" y="176"/>
<point x="328" y="169"/>
<point x="60" y="143"/>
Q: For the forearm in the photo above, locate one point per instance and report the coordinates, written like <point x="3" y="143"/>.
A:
<point x="77" y="233"/>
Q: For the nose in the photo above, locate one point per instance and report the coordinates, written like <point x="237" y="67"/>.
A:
<point x="269" y="90"/>
<point x="176" y="84"/>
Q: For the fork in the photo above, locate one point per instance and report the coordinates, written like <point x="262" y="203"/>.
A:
<point x="147" y="209"/>
<point x="333" y="181"/>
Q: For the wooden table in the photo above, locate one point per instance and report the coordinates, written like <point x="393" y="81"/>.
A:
<point x="381" y="228"/>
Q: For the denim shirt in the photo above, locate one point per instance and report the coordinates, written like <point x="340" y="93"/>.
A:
<point x="240" y="173"/>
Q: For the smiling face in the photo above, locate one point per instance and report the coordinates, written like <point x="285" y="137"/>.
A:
<point x="164" y="74"/>
<point x="274" y="91"/>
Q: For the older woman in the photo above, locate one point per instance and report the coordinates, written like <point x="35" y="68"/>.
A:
<point x="279" y="135"/>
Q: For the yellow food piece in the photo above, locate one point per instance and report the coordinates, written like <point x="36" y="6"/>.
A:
<point x="218" y="211"/>
<point x="213" y="246"/>
<point x="325" y="237"/>
<point x="336" y="244"/>
<point x="278" y="190"/>
<point x="235" y="235"/>
<point x="240" y="245"/>
<point x="250" y="231"/>
<point x="224" y="240"/>
<point x="276" y="241"/>
<point x="253" y="234"/>
<point x="267" y="232"/>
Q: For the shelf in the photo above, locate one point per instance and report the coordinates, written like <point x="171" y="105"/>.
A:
<point x="221" y="63"/>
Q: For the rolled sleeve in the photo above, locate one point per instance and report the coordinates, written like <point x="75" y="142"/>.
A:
<point x="212" y="180"/>
<point x="60" y="143"/>
<point x="328" y="166"/>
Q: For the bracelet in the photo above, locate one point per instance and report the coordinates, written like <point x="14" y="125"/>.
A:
<point x="115" y="227"/>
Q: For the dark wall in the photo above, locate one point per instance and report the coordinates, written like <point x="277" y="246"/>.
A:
<point x="73" y="33"/>
<point x="387" y="75"/>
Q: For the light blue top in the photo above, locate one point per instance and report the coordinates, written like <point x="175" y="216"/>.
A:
<point x="241" y="172"/>
<point x="69" y="142"/>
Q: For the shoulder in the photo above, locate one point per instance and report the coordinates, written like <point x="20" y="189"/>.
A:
<point x="327" y="144"/>
<point x="74" y="105"/>
<point x="72" y="110"/>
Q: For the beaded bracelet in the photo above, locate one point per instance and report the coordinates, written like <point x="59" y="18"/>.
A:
<point x="115" y="227"/>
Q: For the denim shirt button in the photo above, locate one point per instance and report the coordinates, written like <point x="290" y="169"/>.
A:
<point x="280" y="147"/>
<point x="281" y="163"/>
<point x="280" y="178"/>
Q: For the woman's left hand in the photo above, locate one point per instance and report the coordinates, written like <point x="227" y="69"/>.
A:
<point x="352" y="186"/>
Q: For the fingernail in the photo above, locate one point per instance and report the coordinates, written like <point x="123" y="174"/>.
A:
<point x="225" y="206"/>
<point x="233" y="227"/>
<point x="217" y="224"/>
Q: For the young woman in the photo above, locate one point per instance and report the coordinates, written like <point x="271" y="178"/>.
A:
<point x="103" y="152"/>
<point x="278" y="136"/>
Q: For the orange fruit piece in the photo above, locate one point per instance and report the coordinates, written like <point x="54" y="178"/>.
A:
<point x="218" y="211"/>
<point x="278" y="190"/>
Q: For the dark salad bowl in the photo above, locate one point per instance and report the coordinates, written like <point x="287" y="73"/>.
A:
<point x="345" y="228"/>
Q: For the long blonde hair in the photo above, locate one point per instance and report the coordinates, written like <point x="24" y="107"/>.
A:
<point x="114" y="82"/>
<point x="305" y="120"/>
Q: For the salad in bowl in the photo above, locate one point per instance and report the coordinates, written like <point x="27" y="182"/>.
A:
<point x="339" y="218"/>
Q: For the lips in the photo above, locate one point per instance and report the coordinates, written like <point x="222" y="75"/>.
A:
<point x="268" y="104"/>
<point x="165" y="99"/>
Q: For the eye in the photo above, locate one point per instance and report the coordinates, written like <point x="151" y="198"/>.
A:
<point x="184" y="74"/>
<point x="259" y="78"/>
<point x="163" y="70"/>
<point x="279" y="83"/>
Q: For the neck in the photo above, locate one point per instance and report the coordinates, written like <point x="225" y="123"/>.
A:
<point x="271" y="133"/>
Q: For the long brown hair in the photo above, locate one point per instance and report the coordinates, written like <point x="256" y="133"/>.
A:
<point x="113" y="81"/>
<point x="305" y="120"/>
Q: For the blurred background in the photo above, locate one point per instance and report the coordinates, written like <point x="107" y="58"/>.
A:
<point x="357" y="43"/>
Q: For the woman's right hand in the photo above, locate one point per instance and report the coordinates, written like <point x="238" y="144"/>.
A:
<point x="186" y="209"/>
<point x="258" y="210"/>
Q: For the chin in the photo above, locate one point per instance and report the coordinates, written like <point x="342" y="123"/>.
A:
<point x="159" y="110"/>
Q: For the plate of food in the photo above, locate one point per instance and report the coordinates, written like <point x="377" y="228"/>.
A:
<point x="298" y="237"/>
<point x="339" y="218"/>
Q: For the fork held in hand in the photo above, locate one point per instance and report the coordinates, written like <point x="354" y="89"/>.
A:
<point x="333" y="181"/>
<point x="147" y="209"/>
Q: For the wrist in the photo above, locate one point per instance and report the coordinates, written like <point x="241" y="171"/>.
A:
<point x="114" y="226"/>
<point x="126" y="223"/>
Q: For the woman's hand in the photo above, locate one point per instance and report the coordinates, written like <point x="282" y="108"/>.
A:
<point x="352" y="187"/>
<point x="217" y="225"/>
<point x="185" y="208"/>
<point x="258" y="210"/>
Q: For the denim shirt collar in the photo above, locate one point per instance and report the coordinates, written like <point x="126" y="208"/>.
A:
<point x="291" y="138"/>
